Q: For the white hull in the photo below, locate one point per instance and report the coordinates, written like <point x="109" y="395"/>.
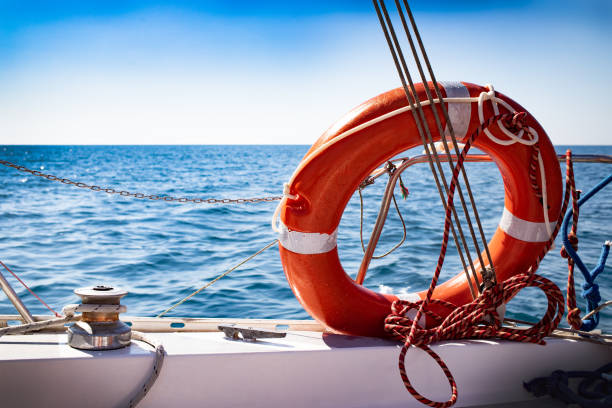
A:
<point x="305" y="369"/>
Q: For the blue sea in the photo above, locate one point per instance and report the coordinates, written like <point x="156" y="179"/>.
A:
<point x="58" y="237"/>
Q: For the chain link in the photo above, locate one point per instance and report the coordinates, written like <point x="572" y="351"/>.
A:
<point x="124" y="193"/>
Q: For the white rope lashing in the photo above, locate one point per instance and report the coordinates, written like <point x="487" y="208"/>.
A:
<point x="533" y="139"/>
<point x="529" y="138"/>
<point x="275" y="227"/>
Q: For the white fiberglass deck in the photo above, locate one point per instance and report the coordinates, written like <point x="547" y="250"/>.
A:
<point x="305" y="369"/>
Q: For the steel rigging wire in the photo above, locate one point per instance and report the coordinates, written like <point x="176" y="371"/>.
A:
<point x="427" y="139"/>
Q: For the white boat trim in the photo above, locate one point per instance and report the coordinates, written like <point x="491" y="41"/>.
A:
<point x="305" y="369"/>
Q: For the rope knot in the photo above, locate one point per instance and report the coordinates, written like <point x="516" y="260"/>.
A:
<point x="591" y="292"/>
<point x="400" y="322"/>
<point x="516" y="123"/>
<point x="401" y="307"/>
<point x="573" y="240"/>
<point x="287" y="192"/>
<point x="573" y="317"/>
<point x="556" y="379"/>
<point x="478" y="319"/>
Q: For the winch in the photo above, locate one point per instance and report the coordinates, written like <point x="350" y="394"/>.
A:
<point x="100" y="327"/>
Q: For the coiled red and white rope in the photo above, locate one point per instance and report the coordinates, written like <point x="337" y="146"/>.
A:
<point x="479" y="318"/>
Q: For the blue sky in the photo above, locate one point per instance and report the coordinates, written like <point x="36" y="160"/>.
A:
<point x="103" y="72"/>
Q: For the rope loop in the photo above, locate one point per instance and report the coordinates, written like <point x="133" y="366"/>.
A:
<point x="478" y="319"/>
<point x="524" y="134"/>
<point x="424" y="400"/>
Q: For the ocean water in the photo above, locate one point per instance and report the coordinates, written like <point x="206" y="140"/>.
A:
<point x="58" y="237"/>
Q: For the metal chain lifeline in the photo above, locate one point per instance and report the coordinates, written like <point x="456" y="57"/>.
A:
<point x="140" y="195"/>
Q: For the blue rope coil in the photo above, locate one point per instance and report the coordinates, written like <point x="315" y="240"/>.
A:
<point x="590" y="290"/>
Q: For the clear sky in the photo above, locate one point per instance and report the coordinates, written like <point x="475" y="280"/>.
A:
<point x="221" y="72"/>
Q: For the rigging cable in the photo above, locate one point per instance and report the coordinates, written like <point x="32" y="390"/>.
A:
<point x="233" y="268"/>
<point x="423" y="129"/>
<point x="464" y="321"/>
<point x="451" y="131"/>
<point x="30" y="290"/>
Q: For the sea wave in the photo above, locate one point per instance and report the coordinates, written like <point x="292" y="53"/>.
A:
<point x="59" y="237"/>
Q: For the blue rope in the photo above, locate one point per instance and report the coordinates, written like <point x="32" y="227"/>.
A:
<point x="594" y="391"/>
<point x="590" y="290"/>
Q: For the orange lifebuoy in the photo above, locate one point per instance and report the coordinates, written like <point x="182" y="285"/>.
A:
<point x="365" y="138"/>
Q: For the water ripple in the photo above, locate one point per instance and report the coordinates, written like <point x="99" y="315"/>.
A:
<point x="59" y="237"/>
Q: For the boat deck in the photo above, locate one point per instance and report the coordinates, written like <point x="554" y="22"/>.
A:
<point x="305" y="369"/>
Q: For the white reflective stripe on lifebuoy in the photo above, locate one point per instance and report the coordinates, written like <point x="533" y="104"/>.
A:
<point x="524" y="230"/>
<point x="307" y="243"/>
<point x="458" y="113"/>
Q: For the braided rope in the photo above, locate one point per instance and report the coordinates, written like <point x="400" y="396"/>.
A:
<point x="158" y="363"/>
<point x="44" y="324"/>
<point x="69" y="316"/>
<point x="590" y="288"/>
<point x="535" y="151"/>
<point x="478" y="319"/>
<point x="573" y="312"/>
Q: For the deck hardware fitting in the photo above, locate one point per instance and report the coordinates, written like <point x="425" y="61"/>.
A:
<point x="100" y="330"/>
<point x="246" y="333"/>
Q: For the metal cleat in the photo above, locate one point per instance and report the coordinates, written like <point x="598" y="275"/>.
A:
<point x="249" y="333"/>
